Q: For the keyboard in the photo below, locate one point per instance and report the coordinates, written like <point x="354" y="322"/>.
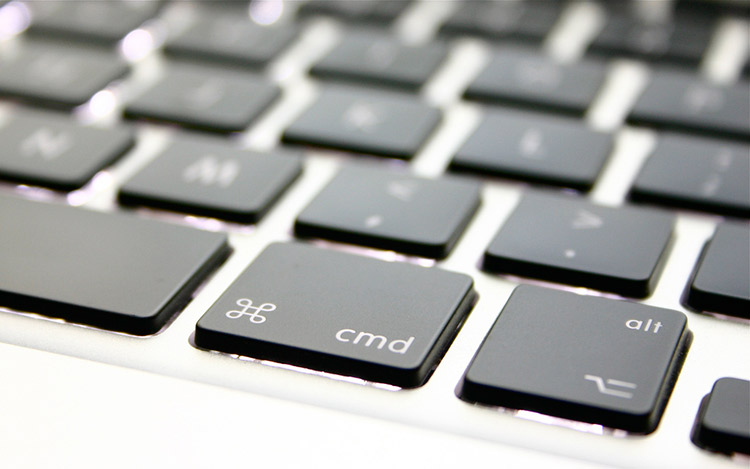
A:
<point x="410" y="233"/>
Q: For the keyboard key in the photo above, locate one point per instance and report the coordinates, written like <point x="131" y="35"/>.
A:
<point x="56" y="74"/>
<point x="721" y="282"/>
<point x="230" y="39"/>
<point x="683" y="38"/>
<point x="529" y="19"/>
<point x="569" y="240"/>
<point x="205" y="98"/>
<point x="106" y="270"/>
<point x="536" y="148"/>
<point x="386" y="322"/>
<point x="365" y="120"/>
<point x="391" y="210"/>
<point x="360" y="10"/>
<point x="52" y="150"/>
<point x="585" y="358"/>
<point x="723" y="422"/>
<point x="683" y="101"/>
<point x="519" y="77"/>
<point x="107" y="22"/>
<point x="380" y="59"/>
<point x="212" y="179"/>
<point x="698" y="174"/>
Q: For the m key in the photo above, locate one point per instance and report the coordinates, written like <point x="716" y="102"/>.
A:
<point x="585" y="358"/>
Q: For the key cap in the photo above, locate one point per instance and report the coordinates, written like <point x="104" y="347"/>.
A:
<point x="212" y="179"/>
<point x="721" y="282"/>
<point x="230" y="39"/>
<point x="527" y="20"/>
<point x="682" y="39"/>
<point x="106" y="270"/>
<point x="55" y="74"/>
<point x="391" y="210"/>
<point x="698" y="174"/>
<point x="52" y="150"/>
<point x="596" y="360"/>
<point x="106" y="22"/>
<point x="380" y="59"/>
<point x="568" y="240"/>
<point x="536" y="148"/>
<point x="682" y="101"/>
<point x="205" y="98"/>
<point x="723" y="421"/>
<point x="339" y="313"/>
<point x="361" y="10"/>
<point x="519" y="77"/>
<point x="365" y="120"/>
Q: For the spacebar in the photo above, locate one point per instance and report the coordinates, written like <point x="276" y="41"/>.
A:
<point x="108" y="270"/>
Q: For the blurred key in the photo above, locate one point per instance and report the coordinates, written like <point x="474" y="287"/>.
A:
<point x="569" y="240"/>
<point x="205" y="98"/>
<point x="697" y="174"/>
<point x="52" y="150"/>
<point x="356" y="10"/>
<point x="534" y="147"/>
<point x="391" y="210"/>
<point x="57" y="74"/>
<point x="529" y="19"/>
<point x="525" y="78"/>
<point x="365" y="120"/>
<point x="380" y="59"/>
<point x="721" y="282"/>
<point x="212" y="179"/>
<point x="102" y="21"/>
<point x="230" y="39"/>
<point x="683" y="101"/>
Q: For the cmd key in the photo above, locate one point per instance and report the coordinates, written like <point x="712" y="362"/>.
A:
<point x="106" y="270"/>
<point x="386" y="322"/>
<point x="591" y="359"/>
<point x="723" y="422"/>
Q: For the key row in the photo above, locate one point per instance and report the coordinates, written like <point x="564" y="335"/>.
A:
<point x="597" y="360"/>
<point x="50" y="150"/>
<point x="228" y="99"/>
<point x="681" y="36"/>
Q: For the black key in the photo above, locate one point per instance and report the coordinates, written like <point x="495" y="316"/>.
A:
<point x="391" y="210"/>
<point x="723" y="421"/>
<point x="568" y="240"/>
<point x="107" y="22"/>
<point x="683" y="101"/>
<point x="721" y="282"/>
<point x="230" y="39"/>
<point x="364" y="120"/>
<point x="535" y="147"/>
<point x="526" y="78"/>
<point x="339" y="313"/>
<point x="356" y="10"/>
<point x="56" y="74"/>
<point x="527" y="20"/>
<point x="698" y="174"/>
<point x="54" y="151"/>
<point x="212" y="179"/>
<point x="682" y="39"/>
<point x="380" y="59"/>
<point x="205" y="98"/>
<point x="585" y="358"/>
<point x="106" y="270"/>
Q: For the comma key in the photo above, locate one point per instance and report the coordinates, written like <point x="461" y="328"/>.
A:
<point x="592" y="359"/>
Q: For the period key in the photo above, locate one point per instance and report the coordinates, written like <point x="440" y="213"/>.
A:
<point x="591" y="359"/>
<point x="350" y="315"/>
